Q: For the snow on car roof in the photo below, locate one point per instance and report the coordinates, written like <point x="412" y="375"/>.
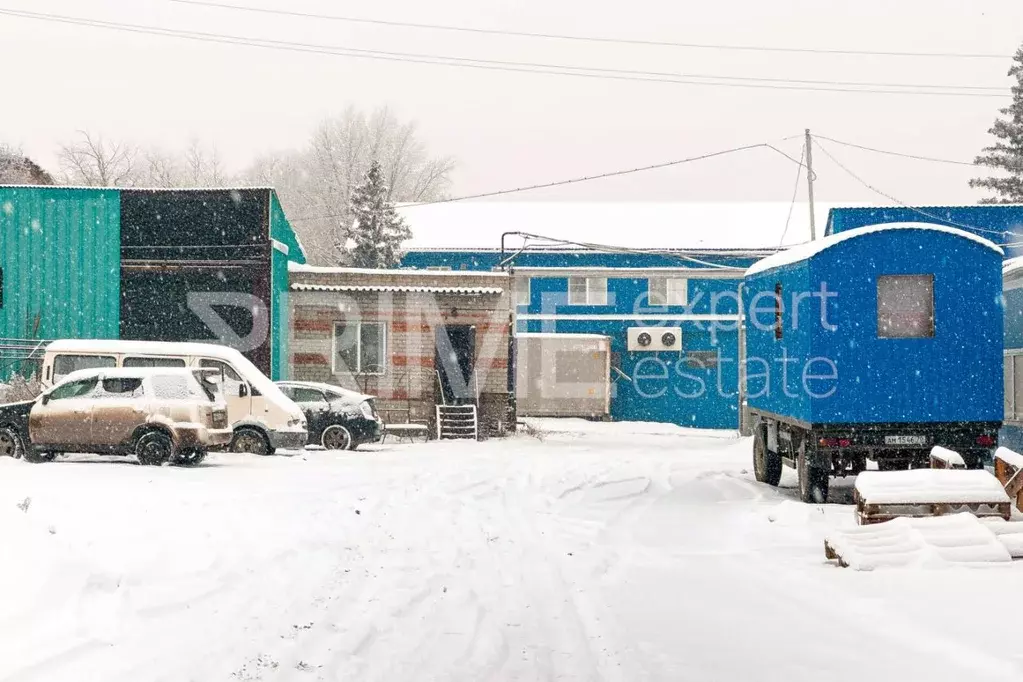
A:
<point x="810" y="249"/>
<point x="123" y="372"/>
<point x="327" y="387"/>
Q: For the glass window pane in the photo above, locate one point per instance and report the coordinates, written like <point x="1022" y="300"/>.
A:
<point x="596" y="289"/>
<point x="65" y="364"/>
<point x="120" y="387"/>
<point x="153" y="362"/>
<point x="657" y="291"/>
<point x="307" y="395"/>
<point x="677" y="291"/>
<point x="905" y="306"/>
<point x="346" y="348"/>
<point x="177" y="387"/>
<point x="522" y="292"/>
<point x="231" y="382"/>
<point x="1017" y="380"/>
<point x="73" y="389"/>
<point x="577" y="291"/>
<point x="1007" y="393"/>
<point x="371" y="348"/>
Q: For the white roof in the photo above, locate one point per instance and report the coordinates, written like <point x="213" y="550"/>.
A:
<point x="810" y="249"/>
<point x="323" y="270"/>
<point x="474" y="291"/>
<point x="560" y="335"/>
<point x="620" y="223"/>
<point x="139" y="347"/>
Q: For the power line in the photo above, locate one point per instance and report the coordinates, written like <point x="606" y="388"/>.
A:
<point x="795" y="192"/>
<point x="592" y="39"/>
<point x="571" y="181"/>
<point x="526" y="67"/>
<point x="898" y="201"/>
<point x="900" y="154"/>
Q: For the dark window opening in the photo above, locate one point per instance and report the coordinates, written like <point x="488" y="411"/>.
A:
<point x="777" y="311"/>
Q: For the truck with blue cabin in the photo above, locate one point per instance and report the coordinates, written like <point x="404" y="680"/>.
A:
<point x="876" y="343"/>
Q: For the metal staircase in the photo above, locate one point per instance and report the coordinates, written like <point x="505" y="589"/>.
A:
<point x="457" y="421"/>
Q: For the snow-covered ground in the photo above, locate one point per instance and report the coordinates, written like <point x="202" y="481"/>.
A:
<point x="582" y="552"/>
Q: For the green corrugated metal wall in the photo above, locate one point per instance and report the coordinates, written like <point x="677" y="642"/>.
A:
<point x="60" y="250"/>
<point x="281" y="233"/>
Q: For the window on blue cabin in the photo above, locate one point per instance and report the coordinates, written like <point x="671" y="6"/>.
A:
<point x="905" y="306"/>
<point x="522" y="296"/>
<point x="587" y="290"/>
<point x="667" y="291"/>
<point x="778" y="329"/>
<point x="702" y="359"/>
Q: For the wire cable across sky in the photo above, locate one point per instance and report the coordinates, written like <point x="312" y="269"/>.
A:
<point x="590" y="39"/>
<point x="593" y="72"/>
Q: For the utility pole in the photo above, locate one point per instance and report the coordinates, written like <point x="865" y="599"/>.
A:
<point x="809" y="183"/>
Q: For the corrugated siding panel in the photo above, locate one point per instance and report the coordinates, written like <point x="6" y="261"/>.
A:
<point x="60" y="253"/>
<point x="280" y="230"/>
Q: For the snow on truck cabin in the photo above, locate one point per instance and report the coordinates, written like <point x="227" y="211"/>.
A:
<point x="579" y="551"/>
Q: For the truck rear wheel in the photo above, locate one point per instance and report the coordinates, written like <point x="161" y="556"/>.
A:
<point x="766" y="464"/>
<point x="813" y="479"/>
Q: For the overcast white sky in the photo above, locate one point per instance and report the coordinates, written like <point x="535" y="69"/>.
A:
<point x="511" y="129"/>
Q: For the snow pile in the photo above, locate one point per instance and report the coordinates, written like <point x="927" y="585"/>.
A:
<point x="930" y="542"/>
<point x="923" y="486"/>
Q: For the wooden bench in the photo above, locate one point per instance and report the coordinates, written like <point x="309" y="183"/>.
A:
<point x="1009" y="471"/>
<point x="406" y="431"/>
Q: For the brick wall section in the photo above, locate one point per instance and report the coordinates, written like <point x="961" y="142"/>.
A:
<point x="407" y="387"/>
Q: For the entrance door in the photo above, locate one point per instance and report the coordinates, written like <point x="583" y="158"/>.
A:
<point x="455" y="361"/>
<point x="235" y="390"/>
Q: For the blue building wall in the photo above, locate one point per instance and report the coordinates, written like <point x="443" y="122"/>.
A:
<point x="956" y="375"/>
<point x="999" y="223"/>
<point x="656" y="386"/>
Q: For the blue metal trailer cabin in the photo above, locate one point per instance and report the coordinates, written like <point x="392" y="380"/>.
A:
<point x="581" y="291"/>
<point x="874" y="343"/>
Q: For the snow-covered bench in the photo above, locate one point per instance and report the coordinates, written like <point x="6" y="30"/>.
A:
<point x="885" y="495"/>
<point x="410" y="431"/>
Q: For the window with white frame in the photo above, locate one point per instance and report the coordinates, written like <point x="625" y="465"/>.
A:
<point x="587" y="290"/>
<point x="905" y="306"/>
<point x="667" y="291"/>
<point x="360" y="347"/>
<point x="522" y="292"/>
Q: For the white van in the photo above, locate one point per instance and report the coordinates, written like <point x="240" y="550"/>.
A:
<point x="262" y="417"/>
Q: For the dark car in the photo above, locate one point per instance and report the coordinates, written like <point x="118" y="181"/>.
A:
<point x="338" y="419"/>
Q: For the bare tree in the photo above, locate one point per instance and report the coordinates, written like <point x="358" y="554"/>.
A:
<point x="95" y="162"/>
<point x="317" y="184"/>
<point x="158" y="168"/>
<point x="205" y="168"/>
<point x="18" y="169"/>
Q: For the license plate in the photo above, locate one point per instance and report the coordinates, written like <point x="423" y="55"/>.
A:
<point x="905" y="440"/>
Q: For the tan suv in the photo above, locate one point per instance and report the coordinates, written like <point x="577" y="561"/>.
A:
<point x="158" y="414"/>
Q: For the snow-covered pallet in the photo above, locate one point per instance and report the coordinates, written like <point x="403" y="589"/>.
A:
<point x="883" y="496"/>
<point x="933" y="541"/>
<point x="1009" y="471"/>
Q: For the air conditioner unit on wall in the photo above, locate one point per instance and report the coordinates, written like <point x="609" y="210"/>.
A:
<point x="655" y="339"/>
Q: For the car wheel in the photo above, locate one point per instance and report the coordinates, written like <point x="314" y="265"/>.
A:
<point x="252" y="441"/>
<point x="337" y="437"/>
<point x="154" y="448"/>
<point x="190" y="458"/>
<point x="10" y="443"/>
<point x="766" y="464"/>
<point x="813" y="480"/>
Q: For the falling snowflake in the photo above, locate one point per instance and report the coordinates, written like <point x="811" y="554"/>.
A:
<point x="8" y="208"/>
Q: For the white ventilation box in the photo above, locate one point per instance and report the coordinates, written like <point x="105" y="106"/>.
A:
<point x="655" y="339"/>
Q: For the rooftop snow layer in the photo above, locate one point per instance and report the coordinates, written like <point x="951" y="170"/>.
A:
<point x="922" y="486"/>
<point x="634" y="224"/>
<point x="810" y="249"/>
<point x="471" y="291"/>
<point x="326" y="270"/>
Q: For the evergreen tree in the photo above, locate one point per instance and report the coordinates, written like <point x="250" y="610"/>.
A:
<point x="377" y="231"/>
<point x="1006" y="154"/>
